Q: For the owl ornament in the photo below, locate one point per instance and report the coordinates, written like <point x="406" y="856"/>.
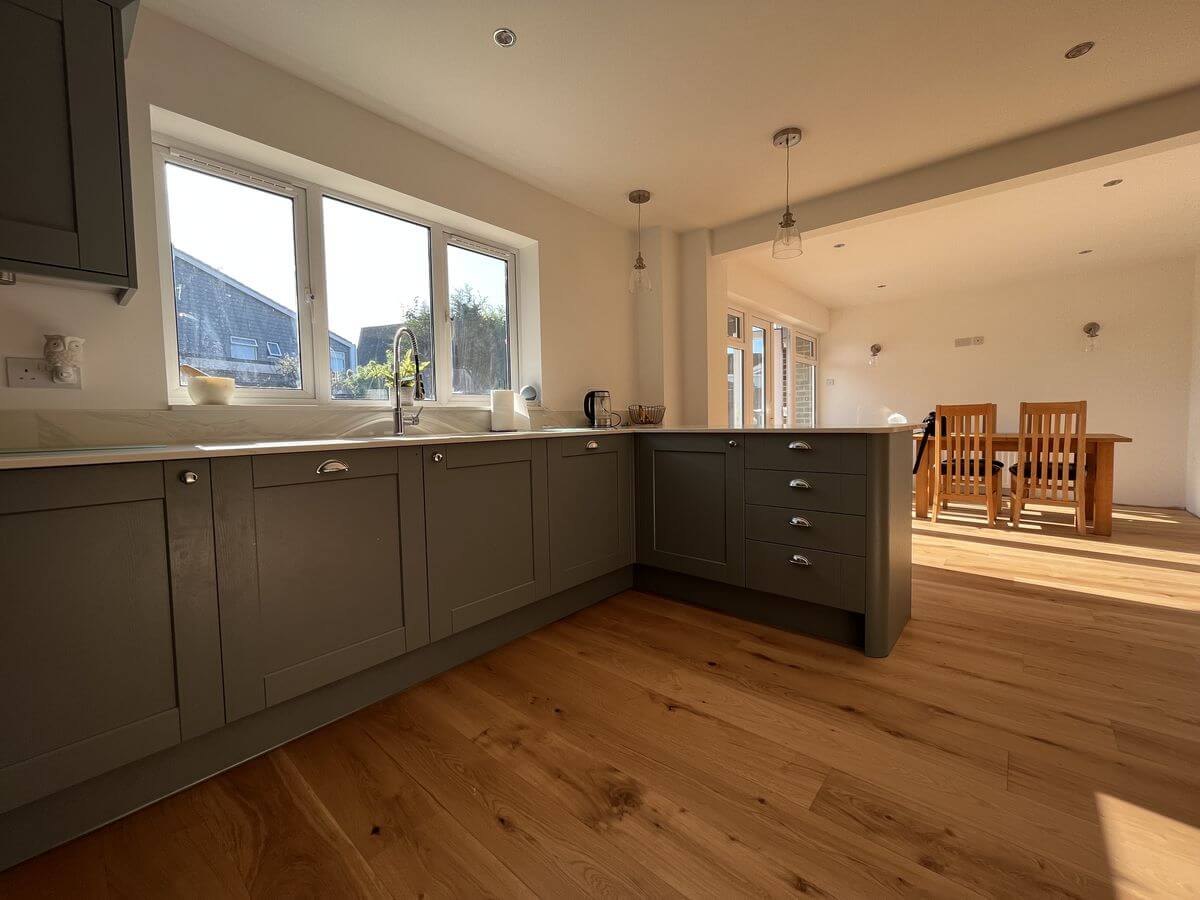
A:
<point x="64" y="354"/>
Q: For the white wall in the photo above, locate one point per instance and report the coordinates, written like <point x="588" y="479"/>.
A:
<point x="747" y="286"/>
<point x="1193" y="461"/>
<point x="586" y="312"/>
<point x="1136" y="383"/>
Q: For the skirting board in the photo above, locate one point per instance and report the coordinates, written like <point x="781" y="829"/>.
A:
<point x="768" y="609"/>
<point x="38" y="826"/>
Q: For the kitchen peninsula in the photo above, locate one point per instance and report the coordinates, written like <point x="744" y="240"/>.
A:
<point x="188" y="607"/>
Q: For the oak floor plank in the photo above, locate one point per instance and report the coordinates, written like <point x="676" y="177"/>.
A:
<point x="544" y="845"/>
<point x="974" y="858"/>
<point x="825" y="860"/>
<point x="414" y="846"/>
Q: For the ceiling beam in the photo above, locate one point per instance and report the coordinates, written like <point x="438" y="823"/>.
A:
<point x="1173" y="119"/>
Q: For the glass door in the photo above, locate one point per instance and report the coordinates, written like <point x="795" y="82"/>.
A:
<point x="758" y="377"/>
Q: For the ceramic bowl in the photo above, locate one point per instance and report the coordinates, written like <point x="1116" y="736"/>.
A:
<point x="210" y="390"/>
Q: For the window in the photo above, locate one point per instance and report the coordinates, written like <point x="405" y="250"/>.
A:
<point x="243" y="348"/>
<point x="233" y="263"/>
<point x="377" y="278"/>
<point x="735" y="386"/>
<point x="479" y="317"/>
<point x="733" y="326"/>
<point x="240" y="243"/>
<point x="804" y="383"/>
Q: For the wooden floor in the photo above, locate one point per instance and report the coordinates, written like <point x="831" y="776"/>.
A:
<point x="1036" y="733"/>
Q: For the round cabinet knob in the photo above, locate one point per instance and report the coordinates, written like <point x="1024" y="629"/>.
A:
<point x="438" y="457"/>
<point x="189" y="477"/>
<point x="733" y="443"/>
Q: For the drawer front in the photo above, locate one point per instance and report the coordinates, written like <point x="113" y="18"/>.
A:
<point x="807" y="528"/>
<point x="29" y="490"/>
<point x="815" y="576"/>
<point x="273" y="470"/>
<point x="845" y="453"/>
<point x="588" y="444"/>
<point x="818" y="491"/>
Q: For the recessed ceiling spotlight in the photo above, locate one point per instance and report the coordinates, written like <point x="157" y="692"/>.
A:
<point x="1114" y="182"/>
<point x="1079" y="50"/>
<point x="504" y="37"/>
<point x="1084" y="252"/>
<point x="838" y="246"/>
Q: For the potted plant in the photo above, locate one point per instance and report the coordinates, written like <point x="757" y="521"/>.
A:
<point x="408" y="377"/>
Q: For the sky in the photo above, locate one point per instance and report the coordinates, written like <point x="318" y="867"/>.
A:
<point x="375" y="264"/>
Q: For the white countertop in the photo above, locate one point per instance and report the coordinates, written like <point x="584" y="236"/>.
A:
<point x="36" y="459"/>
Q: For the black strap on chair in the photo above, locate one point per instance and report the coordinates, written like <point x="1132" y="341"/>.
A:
<point x="928" y="423"/>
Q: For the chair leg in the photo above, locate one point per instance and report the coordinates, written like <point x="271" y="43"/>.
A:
<point x="993" y="501"/>
<point x="936" y="505"/>
<point x="1018" y="498"/>
<point x="1081" y="524"/>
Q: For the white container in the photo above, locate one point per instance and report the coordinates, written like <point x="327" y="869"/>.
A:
<point x="210" y="390"/>
<point x="509" y="411"/>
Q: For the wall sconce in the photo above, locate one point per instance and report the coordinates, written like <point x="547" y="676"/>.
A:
<point x="874" y="357"/>
<point x="1091" y="336"/>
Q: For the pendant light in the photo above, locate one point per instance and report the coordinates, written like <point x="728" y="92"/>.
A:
<point x="787" y="237"/>
<point x="639" y="278"/>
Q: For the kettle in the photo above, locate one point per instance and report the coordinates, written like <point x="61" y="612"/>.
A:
<point x="597" y="406"/>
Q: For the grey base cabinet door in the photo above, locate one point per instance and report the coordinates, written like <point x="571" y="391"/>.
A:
<point x="591" y="507"/>
<point x="109" y="645"/>
<point x="486" y="527"/>
<point x="690" y="495"/>
<point x="321" y="561"/>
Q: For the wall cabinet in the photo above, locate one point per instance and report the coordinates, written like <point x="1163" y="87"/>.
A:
<point x="109" y="647"/>
<point x="689" y="505"/>
<point x="591" y="507"/>
<point x="321" y="563"/>
<point x="486" y="527"/>
<point x="64" y="162"/>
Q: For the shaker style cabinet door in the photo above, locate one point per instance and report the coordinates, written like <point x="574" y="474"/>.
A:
<point x="690" y="505"/>
<point x="108" y="623"/>
<point x="64" y="158"/>
<point x="591" y="507"/>
<point x="486" y="524"/>
<point x="321" y="564"/>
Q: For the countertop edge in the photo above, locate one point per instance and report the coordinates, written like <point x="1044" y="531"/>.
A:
<point x="40" y="459"/>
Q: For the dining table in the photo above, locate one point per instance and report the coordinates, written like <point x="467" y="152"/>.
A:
<point x="1100" y="455"/>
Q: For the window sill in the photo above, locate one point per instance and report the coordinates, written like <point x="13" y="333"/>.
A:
<point x="342" y="405"/>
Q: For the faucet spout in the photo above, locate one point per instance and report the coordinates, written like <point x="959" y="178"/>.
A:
<point x="418" y="384"/>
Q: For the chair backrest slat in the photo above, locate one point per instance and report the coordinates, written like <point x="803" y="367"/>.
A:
<point x="1052" y="439"/>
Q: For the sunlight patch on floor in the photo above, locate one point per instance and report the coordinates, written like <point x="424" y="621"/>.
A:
<point x="1149" y="854"/>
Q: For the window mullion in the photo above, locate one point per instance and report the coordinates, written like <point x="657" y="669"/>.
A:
<point x="440" y="314"/>
<point x="316" y="298"/>
<point x="304" y="318"/>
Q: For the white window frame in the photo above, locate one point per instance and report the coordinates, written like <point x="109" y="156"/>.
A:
<point x="254" y="178"/>
<point x="313" y="313"/>
<point x="243" y="342"/>
<point x="815" y="361"/>
<point x="277" y="353"/>
<point x="738" y="343"/>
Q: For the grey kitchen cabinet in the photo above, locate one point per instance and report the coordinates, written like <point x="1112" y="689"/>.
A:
<point x="109" y="641"/>
<point x="591" y="507"/>
<point x="320" y="558"/>
<point x="690" y="515"/>
<point x="486" y="526"/>
<point x="65" y="208"/>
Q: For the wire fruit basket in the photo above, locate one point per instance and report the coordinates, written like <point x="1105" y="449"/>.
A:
<point x="646" y="415"/>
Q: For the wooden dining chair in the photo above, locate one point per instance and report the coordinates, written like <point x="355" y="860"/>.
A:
<point x="1051" y="450"/>
<point x="964" y="467"/>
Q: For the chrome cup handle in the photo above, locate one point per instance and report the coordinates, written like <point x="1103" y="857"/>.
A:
<point x="332" y="467"/>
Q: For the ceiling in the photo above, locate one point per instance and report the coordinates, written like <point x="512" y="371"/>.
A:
<point x="1037" y="229"/>
<point x="681" y="96"/>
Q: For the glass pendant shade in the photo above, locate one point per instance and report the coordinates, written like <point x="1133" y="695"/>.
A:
<point x="639" y="278"/>
<point x="787" y="239"/>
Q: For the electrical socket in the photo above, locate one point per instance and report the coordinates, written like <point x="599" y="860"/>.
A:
<point x="977" y="340"/>
<point x="34" y="372"/>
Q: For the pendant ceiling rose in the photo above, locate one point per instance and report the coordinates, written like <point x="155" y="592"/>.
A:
<point x="787" y="137"/>
<point x="639" y="196"/>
